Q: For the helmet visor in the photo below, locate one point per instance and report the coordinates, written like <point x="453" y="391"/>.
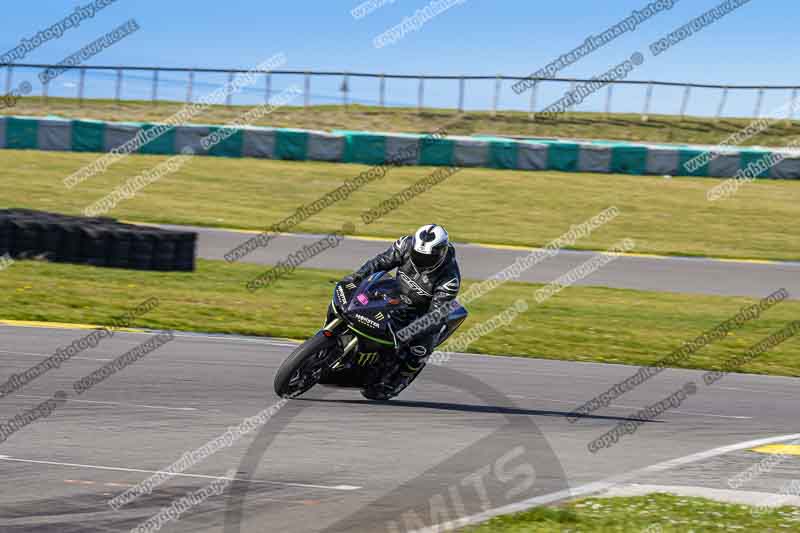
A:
<point x="426" y="261"/>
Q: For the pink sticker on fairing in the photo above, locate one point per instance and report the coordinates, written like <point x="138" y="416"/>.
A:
<point x="363" y="299"/>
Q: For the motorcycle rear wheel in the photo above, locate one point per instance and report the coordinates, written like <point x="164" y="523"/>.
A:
<point x="377" y="392"/>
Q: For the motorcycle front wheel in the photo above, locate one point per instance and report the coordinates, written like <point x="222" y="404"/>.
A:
<point x="304" y="367"/>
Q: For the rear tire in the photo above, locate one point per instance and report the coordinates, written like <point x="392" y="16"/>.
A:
<point x="381" y="393"/>
<point x="377" y="393"/>
<point x="304" y="366"/>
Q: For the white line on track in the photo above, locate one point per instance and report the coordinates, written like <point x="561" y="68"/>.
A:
<point x="72" y="400"/>
<point x="186" y="334"/>
<point x="692" y="413"/>
<point x="636" y="407"/>
<point x="163" y="360"/>
<point x="746" y="497"/>
<point x="30" y="354"/>
<point x="139" y="470"/>
<point x="268" y="341"/>
<point x="602" y="485"/>
<point x="741" y="389"/>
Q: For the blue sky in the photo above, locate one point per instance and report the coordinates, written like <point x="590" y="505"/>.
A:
<point x="756" y="44"/>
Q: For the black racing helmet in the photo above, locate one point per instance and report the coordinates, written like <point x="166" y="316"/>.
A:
<point x="429" y="247"/>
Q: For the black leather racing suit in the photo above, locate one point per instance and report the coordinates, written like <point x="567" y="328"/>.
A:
<point x="428" y="290"/>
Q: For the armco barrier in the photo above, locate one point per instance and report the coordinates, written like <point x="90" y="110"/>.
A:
<point x="102" y="242"/>
<point x="375" y="148"/>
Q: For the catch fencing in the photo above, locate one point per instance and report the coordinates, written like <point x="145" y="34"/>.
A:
<point x="459" y="93"/>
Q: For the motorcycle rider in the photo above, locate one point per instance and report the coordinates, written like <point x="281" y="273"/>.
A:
<point x="429" y="278"/>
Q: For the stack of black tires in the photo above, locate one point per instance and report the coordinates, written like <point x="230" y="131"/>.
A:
<point x="104" y="242"/>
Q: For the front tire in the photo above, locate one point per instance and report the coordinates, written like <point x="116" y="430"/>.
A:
<point x="304" y="366"/>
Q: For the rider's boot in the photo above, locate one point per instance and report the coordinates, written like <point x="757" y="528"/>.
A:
<point x="410" y="361"/>
<point x="408" y="370"/>
<point x="395" y="378"/>
<point x="403" y="373"/>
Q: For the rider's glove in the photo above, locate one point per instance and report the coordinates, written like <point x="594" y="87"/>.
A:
<point x="352" y="278"/>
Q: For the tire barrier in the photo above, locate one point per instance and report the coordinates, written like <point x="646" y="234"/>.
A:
<point x="342" y="146"/>
<point x="100" y="241"/>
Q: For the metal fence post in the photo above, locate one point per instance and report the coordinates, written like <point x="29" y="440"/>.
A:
<point x="382" y="91"/>
<point x="793" y="106"/>
<point x="229" y="91"/>
<point x="572" y="86"/>
<point x="154" y="92"/>
<point x="685" y="103"/>
<point x="759" y="102"/>
<point x="307" y="89"/>
<point x="81" y="86"/>
<point x="118" y="92"/>
<point x="267" y="87"/>
<point x="532" y="108"/>
<point x="722" y="101"/>
<point x="461" y="94"/>
<point x="497" y="82"/>
<point x="609" y="96"/>
<point x="9" y="76"/>
<point x="190" y="88"/>
<point x="45" y="91"/>
<point x="420" y="94"/>
<point x="647" y="98"/>
<point x="345" y="89"/>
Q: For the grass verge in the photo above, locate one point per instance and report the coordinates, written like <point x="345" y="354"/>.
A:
<point x="580" y="323"/>
<point x="654" y="513"/>
<point x="664" y="216"/>
<point x="659" y="128"/>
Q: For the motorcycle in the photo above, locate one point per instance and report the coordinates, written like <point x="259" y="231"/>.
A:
<point x="358" y="345"/>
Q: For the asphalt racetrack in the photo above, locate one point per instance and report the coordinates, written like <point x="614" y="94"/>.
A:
<point x="755" y="279"/>
<point x="469" y="439"/>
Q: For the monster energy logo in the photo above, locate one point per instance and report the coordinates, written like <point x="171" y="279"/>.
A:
<point x="368" y="321"/>
<point x="340" y="294"/>
<point x="366" y="358"/>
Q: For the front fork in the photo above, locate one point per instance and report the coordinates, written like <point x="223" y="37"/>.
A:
<point x="333" y="322"/>
<point x="329" y="330"/>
